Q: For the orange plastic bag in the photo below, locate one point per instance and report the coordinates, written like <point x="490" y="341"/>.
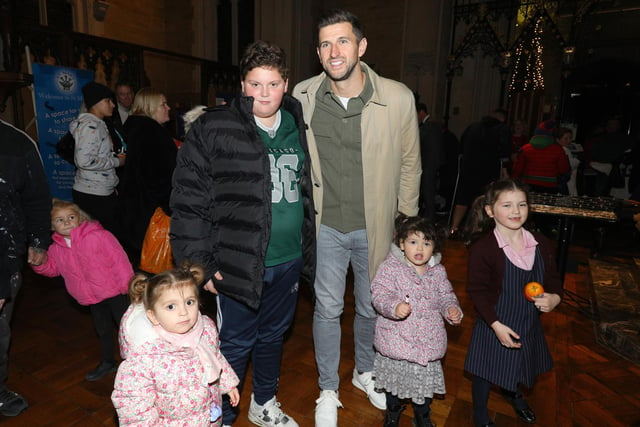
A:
<point x="156" y="254"/>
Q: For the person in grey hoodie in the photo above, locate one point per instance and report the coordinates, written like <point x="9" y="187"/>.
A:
<point x="94" y="187"/>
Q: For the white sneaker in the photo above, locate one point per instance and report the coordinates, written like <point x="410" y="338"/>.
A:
<point x="365" y="383"/>
<point x="269" y="414"/>
<point x="327" y="409"/>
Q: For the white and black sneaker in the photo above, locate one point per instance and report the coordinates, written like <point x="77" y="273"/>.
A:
<point x="269" y="414"/>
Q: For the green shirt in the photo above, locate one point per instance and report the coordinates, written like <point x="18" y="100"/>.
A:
<point x="285" y="159"/>
<point x="339" y="140"/>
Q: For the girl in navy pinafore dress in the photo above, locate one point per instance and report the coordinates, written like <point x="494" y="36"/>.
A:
<point x="507" y="346"/>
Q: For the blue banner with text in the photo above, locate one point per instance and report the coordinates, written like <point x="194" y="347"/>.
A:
<point x="58" y="97"/>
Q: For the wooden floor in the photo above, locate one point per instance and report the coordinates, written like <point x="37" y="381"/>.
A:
<point x="54" y="347"/>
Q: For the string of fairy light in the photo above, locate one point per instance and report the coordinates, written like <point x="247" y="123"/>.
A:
<point x="527" y="70"/>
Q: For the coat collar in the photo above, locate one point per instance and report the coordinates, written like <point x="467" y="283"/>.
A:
<point x="314" y="83"/>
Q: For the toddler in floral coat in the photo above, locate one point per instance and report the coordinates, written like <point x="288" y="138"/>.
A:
<point x="173" y="373"/>
<point x="412" y="296"/>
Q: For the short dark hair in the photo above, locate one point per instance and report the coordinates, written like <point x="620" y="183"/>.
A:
<point x="264" y="54"/>
<point x="124" y="83"/>
<point x="421" y="106"/>
<point x="500" y="114"/>
<point x="560" y="131"/>
<point x="337" y="16"/>
<point x="407" y="225"/>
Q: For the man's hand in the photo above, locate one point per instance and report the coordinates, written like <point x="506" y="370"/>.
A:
<point x="209" y="286"/>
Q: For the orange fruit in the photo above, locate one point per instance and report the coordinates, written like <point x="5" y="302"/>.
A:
<point x="533" y="289"/>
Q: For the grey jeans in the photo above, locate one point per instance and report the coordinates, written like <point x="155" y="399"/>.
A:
<point x="335" y="251"/>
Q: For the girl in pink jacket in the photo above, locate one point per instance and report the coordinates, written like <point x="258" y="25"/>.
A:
<point x="96" y="273"/>
<point x="412" y="296"/>
<point x="173" y="373"/>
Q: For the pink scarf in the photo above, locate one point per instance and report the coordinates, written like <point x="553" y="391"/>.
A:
<point x="192" y="340"/>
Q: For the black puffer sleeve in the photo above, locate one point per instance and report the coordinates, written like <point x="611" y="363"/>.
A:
<point x="193" y="231"/>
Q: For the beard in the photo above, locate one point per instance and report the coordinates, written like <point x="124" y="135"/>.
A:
<point x="340" y="77"/>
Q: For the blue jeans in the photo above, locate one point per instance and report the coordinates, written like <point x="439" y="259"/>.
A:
<point x="335" y="251"/>
<point x="245" y="332"/>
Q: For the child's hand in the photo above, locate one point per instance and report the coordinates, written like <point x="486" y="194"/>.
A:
<point x="403" y="310"/>
<point x="234" y="397"/>
<point x="546" y="302"/>
<point x="36" y="257"/>
<point x="506" y="335"/>
<point x="454" y="315"/>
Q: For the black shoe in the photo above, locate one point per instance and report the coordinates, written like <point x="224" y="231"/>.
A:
<point x="12" y="404"/>
<point x="422" y="421"/>
<point x="392" y="416"/>
<point x="526" y="414"/>
<point x="101" y="370"/>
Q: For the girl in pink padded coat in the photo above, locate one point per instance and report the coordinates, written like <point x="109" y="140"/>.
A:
<point x="96" y="273"/>
<point x="174" y="373"/>
<point x="412" y="296"/>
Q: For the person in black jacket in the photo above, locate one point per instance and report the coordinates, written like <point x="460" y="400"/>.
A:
<point x="486" y="146"/>
<point x="432" y="156"/>
<point x="25" y="224"/>
<point x="151" y="159"/>
<point x="242" y="207"/>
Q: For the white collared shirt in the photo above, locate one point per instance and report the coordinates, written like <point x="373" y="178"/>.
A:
<point x="124" y="113"/>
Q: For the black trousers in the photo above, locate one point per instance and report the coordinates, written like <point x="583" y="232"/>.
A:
<point x="15" y="282"/>
<point x="480" y="389"/>
<point x="107" y="314"/>
<point x="419" y="410"/>
<point x="101" y="208"/>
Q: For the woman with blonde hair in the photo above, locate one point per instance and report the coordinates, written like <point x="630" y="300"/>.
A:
<point x="151" y="159"/>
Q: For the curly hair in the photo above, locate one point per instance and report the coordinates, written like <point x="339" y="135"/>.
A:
<point x="407" y="225"/>
<point x="266" y="55"/>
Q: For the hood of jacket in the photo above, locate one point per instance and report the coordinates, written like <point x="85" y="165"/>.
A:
<point x="84" y="118"/>
<point x="397" y="253"/>
<point x="541" y="141"/>
<point x="135" y="329"/>
<point x="79" y="232"/>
